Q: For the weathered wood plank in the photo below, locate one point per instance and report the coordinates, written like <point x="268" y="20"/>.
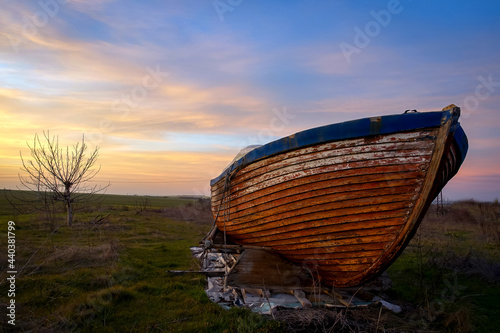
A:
<point x="333" y="164"/>
<point x="320" y="188"/>
<point x="257" y="268"/>
<point x="314" y="256"/>
<point x="321" y="216"/>
<point x="341" y="178"/>
<point x="327" y="225"/>
<point x="333" y="230"/>
<point x="418" y="163"/>
<point x="303" y="199"/>
<point x="345" y="237"/>
<point x="341" y="205"/>
<point x="361" y="152"/>
<point x="360" y="160"/>
<point x="443" y="141"/>
<point x="329" y="209"/>
<point x="313" y="242"/>
<point x="404" y="138"/>
<point x="319" y="250"/>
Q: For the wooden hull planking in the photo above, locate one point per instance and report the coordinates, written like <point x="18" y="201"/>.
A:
<point x="344" y="208"/>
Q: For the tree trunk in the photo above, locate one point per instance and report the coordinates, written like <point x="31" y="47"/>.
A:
<point x="70" y="213"/>
<point x="68" y="201"/>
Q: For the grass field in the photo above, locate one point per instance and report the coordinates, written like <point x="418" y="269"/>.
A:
<point x="108" y="273"/>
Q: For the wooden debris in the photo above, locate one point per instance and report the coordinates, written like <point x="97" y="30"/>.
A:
<point x="256" y="268"/>
<point x="262" y="281"/>
<point x="206" y="273"/>
<point x="301" y="296"/>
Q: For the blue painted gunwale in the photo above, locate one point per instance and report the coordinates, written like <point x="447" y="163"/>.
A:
<point x="347" y="130"/>
<point x="461" y="142"/>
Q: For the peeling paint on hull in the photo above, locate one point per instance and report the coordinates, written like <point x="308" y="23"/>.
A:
<point x="345" y="208"/>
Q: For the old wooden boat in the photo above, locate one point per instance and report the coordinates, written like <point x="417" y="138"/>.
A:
<point x="343" y="199"/>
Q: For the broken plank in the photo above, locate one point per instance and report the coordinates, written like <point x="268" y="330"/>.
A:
<point x="207" y="273"/>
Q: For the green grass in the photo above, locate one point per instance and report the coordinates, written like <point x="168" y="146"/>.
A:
<point x="111" y="276"/>
<point x="151" y="201"/>
<point x="450" y="271"/>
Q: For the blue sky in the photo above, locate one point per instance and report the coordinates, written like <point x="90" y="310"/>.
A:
<point x="170" y="90"/>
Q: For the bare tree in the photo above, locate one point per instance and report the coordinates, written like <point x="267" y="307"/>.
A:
<point x="63" y="173"/>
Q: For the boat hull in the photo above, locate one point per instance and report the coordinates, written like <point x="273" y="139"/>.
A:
<point x="344" y="208"/>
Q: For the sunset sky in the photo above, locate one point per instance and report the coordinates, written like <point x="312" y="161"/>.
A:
<point x="171" y="90"/>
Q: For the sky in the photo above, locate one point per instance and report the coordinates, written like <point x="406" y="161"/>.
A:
<point x="170" y="91"/>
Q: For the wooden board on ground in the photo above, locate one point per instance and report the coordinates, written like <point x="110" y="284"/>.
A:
<point x="265" y="270"/>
